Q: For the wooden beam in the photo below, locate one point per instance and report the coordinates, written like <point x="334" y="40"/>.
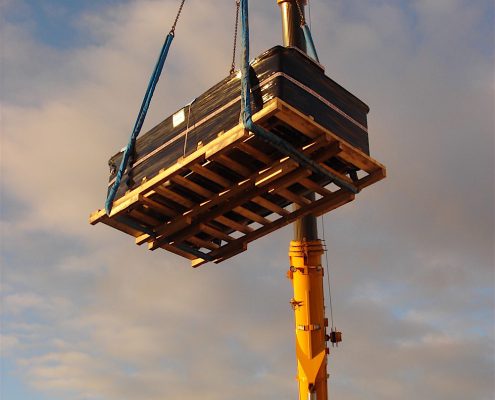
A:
<point x="255" y="153"/>
<point x="211" y="175"/>
<point x="179" y="252"/>
<point x="203" y="243"/>
<point x="232" y="251"/>
<point x="261" y="201"/>
<point x="233" y="224"/>
<point x="322" y="205"/>
<point x="251" y="215"/>
<point x="357" y="158"/>
<point x="175" y="197"/>
<point x="314" y="187"/>
<point x="217" y="233"/>
<point x="292" y="197"/>
<point x="192" y="186"/>
<point x="184" y="234"/>
<point x="156" y="206"/>
<point x="238" y="168"/>
<point x="375" y="176"/>
<point x="114" y="223"/>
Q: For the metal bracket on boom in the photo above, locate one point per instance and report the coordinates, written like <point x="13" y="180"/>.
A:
<point x="335" y="337"/>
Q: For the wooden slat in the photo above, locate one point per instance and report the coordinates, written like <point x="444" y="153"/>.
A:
<point x="231" y="251"/>
<point x="222" y="219"/>
<point x="244" y="212"/>
<point x="356" y="157"/>
<point x="338" y="174"/>
<point x="255" y="153"/>
<point x="144" y="218"/>
<point x="192" y="186"/>
<point x="313" y="186"/>
<point x="186" y="251"/>
<point x="158" y="207"/>
<point x="175" y="197"/>
<point x="303" y="123"/>
<point x="190" y="230"/>
<point x="211" y="175"/>
<point x="134" y="224"/>
<point x="251" y="215"/>
<point x="297" y="120"/>
<point x="292" y="197"/>
<point x="179" y="252"/>
<point x="269" y="205"/>
<point x="225" y="183"/>
<point x="337" y="199"/>
<point x="233" y="224"/>
<point x="372" y="178"/>
<point x="233" y="165"/>
<point x="114" y="223"/>
<point x="202" y="243"/>
<point x="217" y="233"/>
<point x="157" y="180"/>
<point x="143" y="238"/>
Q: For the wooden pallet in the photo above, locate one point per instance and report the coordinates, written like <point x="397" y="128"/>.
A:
<point x="236" y="189"/>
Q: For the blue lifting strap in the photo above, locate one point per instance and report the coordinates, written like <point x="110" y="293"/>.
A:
<point x="139" y="121"/>
<point x="129" y="150"/>
<point x="281" y="145"/>
<point x="310" y="45"/>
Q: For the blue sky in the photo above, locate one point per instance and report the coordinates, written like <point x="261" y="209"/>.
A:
<point x="56" y="22"/>
<point x="86" y="314"/>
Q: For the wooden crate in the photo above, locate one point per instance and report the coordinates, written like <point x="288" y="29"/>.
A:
<point x="235" y="189"/>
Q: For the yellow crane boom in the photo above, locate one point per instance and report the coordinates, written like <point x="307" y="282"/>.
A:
<point x="306" y="272"/>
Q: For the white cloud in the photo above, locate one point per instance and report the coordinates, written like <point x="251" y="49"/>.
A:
<point x="8" y="343"/>
<point x="19" y="302"/>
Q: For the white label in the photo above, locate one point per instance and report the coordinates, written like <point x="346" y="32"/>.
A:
<point x="178" y="118"/>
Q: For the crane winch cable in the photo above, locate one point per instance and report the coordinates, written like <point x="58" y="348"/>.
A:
<point x="327" y="271"/>
<point x="155" y="76"/>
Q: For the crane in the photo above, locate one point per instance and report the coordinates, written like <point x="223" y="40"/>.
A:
<point x="204" y="189"/>
<point x="306" y="272"/>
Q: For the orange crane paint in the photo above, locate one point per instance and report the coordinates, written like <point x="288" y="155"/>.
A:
<point x="306" y="274"/>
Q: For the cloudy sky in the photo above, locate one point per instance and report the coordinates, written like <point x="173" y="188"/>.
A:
<point x="86" y="314"/>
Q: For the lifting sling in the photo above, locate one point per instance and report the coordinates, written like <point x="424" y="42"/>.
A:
<point x="129" y="150"/>
<point x="280" y="144"/>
